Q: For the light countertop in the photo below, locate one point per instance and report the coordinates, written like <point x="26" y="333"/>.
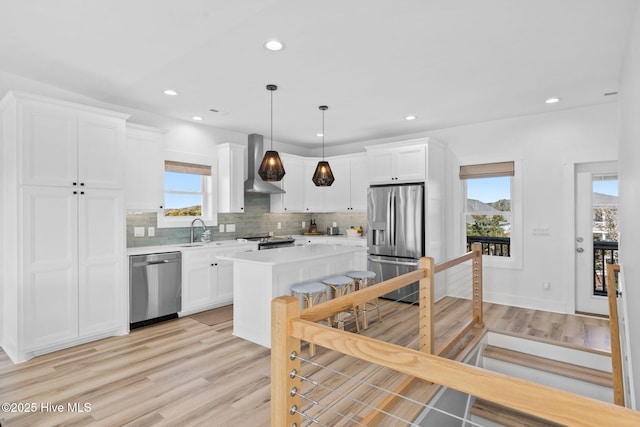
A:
<point x="292" y="254"/>
<point x="187" y="247"/>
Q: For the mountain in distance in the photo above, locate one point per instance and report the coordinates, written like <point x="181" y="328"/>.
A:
<point x="188" y="211"/>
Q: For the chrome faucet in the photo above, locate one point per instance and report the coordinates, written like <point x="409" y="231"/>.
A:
<point x="204" y="227"/>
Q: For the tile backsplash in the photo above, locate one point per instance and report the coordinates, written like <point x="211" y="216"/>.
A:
<point x="255" y="221"/>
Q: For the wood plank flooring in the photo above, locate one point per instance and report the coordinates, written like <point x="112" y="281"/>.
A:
<point x="186" y="373"/>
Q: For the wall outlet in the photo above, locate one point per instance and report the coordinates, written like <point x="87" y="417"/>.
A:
<point x="231" y="228"/>
<point x="151" y="231"/>
<point x="546" y="285"/>
<point x="279" y="226"/>
<point x="138" y="231"/>
<point x="335" y="224"/>
<point x="221" y="228"/>
<point x="304" y="224"/>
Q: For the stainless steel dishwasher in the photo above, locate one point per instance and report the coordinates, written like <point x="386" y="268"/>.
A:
<point x="155" y="288"/>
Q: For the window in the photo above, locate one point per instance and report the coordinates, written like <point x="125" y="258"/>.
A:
<point x="187" y="194"/>
<point x="488" y="206"/>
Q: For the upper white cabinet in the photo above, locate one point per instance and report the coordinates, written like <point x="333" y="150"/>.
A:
<point x="232" y="159"/>
<point x="144" y="168"/>
<point x="397" y="163"/>
<point x="292" y="183"/>
<point x="62" y="145"/>
<point x="314" y="196"/>
<point x="349" y="190"/>
<point x="348" y="193"/>
<point x="63" y="225"/>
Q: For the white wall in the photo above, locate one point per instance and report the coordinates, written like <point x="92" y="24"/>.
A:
<point x="629" y="167"/>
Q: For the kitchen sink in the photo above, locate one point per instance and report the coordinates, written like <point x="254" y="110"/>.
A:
<point x="195" y="245"/>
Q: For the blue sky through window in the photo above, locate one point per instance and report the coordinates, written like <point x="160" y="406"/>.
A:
<point x="175" y="181"/>
<point x="489" y="190"/>
<point x="609" y="187"/>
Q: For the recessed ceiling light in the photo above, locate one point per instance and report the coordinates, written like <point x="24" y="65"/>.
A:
<point x="319" y="134"/>
<point x="170" y="92"/>
<point x="410" y="117"/>
<point x="274" y="45"/>
<point x="552" y="100"/>
<point x="196" y="118"/>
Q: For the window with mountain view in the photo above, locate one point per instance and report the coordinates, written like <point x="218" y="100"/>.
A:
<point x="185" y="189"/>
<point x="488" y="217"/>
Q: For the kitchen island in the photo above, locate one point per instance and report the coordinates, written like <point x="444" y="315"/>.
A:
<point x="259" y="277"/>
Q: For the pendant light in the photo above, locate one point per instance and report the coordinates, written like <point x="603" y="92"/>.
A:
<point x="271" y="168"/>
<point x="323" y="177"/>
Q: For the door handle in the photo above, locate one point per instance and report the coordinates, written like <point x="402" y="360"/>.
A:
<point x="579" y="250"/>
<point x="384" y="261"/>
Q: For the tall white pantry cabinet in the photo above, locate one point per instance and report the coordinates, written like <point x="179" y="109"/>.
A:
<point x="63" y="224"/>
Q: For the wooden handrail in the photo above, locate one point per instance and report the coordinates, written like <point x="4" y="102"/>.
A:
<point x="425" y="275"/>
<point x="614" y="328"/>
<point x="541" y="401"/>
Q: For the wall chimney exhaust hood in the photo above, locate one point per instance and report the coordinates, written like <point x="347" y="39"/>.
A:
<point x="255" y="184"/>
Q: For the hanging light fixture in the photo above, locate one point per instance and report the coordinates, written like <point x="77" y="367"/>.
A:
<point x="271" y="168"/>
<point x="323" y="177"/>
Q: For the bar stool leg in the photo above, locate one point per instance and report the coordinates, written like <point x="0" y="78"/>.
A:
<point x="363" y="306"/>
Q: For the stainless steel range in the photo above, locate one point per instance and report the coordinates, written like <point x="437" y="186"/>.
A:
<point x="272" y="242"/>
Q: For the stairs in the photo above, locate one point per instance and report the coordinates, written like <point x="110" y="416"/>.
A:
<point x="565" y="368"/>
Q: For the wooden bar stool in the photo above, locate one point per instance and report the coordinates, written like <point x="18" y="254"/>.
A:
<point x="312" y="293"/>
<point x="362" y="280"/>
<point x="341" y="285"/>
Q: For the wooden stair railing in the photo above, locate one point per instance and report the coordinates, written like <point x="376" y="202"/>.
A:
<point x="537" y="400"/>
<point x="290" y="326"/>
<point x="614" y="327"/>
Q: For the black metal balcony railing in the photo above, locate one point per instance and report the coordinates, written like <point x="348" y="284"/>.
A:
<point x="495" y="246"/>
<point x="604" y="252"/>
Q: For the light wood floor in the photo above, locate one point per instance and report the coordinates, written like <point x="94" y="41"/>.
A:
<point x="184" y="372"/>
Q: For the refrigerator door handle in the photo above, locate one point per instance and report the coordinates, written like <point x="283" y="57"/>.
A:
<point x="389" y="219"/>
<point x="384" y="261"/>
<point x="392" y="215"/>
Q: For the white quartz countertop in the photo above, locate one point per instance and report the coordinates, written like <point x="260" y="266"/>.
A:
<point x="142" y="250"/>
<point x="292" y="254"/>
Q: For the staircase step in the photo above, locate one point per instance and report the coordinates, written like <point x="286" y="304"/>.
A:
<point x="569" y="370"/>
<point x="506" y="416"/>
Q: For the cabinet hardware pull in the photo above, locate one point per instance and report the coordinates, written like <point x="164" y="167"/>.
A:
<point x="75" y="183"/>
<point x="75" y="192"/>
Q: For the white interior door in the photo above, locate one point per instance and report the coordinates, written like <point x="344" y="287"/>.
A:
<point x="589" y="275"/>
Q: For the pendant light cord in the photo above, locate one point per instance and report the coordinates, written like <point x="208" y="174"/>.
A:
<point x="323" y="135"/>
<point x="272" y="120"/>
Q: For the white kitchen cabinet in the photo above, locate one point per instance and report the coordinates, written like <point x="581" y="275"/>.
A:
<point x="349" y="190"/>
<point x="359" y="183"/>
<point x="65" y="146"/>
<point x="293" y="184"/>
<point x="144" y="168"/>
<point x="101" y="242"/>
<point x="63" y="249"/>
<point x="397" y="164"/>
<point x="232" y="159"/>
<point x="207" y="281"/>
<point x="199" y="279"/>
<point x="49" y="276"/>
<point x="314" y="196"/>
<point x="338" y="196"/>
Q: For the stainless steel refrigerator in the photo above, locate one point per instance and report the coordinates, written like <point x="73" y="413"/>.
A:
<point x="395" y="224"/>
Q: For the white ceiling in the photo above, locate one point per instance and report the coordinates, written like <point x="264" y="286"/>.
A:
<point x="449" y="62"/>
